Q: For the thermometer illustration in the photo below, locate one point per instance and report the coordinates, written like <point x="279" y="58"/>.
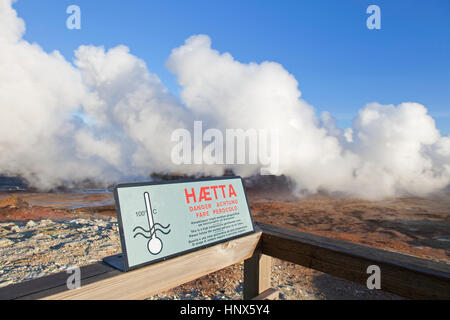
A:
<point x="154" y="245"/>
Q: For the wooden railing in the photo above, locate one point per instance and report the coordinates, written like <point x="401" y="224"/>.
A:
<point x="403" y="275"/>
<point x="406" y="276"/>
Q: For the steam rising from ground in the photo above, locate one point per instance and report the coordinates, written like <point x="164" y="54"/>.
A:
<point x="106" y="117"/>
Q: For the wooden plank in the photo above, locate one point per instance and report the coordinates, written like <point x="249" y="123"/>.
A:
<point x="257" y="274"/>
<point x="146" y="281"/>
<point x="269" y="294"/>
<point x="403" y="275"/>
<point x="55" y="283"/>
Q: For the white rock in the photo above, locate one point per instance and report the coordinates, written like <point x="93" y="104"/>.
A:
<point x="41" y="236"/>
<point x="7" y="225"/>
<point x="31" y="223"/>
<point x="46" y="222"/>
<point x="15" y="229"/>
<point x="5" y="243"/>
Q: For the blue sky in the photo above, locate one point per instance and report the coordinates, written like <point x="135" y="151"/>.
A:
<point x="340" y="64"/>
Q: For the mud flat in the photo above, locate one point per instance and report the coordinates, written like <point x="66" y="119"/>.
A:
<point x="43" y="233"/>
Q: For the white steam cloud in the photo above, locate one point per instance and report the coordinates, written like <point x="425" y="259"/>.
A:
<point x="106" y="117"/>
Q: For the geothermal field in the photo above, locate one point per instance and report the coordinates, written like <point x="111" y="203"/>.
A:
<point x="44" y="233"/>
<point x="339" y="127"/>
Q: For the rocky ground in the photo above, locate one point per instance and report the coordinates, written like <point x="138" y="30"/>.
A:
<point x="42" y="234"/>
<point x="36" y="248"/>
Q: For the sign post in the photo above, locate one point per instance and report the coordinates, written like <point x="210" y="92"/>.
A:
<point x="158" y="221"/>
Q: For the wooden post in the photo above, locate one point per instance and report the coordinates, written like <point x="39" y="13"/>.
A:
<point x="257" y="274"/>
<point x="269" y="294"/>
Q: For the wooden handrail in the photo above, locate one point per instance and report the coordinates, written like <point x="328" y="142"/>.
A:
<point x="403" y="275"/>
<point x="144" y="282"/>
<point x="100" y="281"/>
